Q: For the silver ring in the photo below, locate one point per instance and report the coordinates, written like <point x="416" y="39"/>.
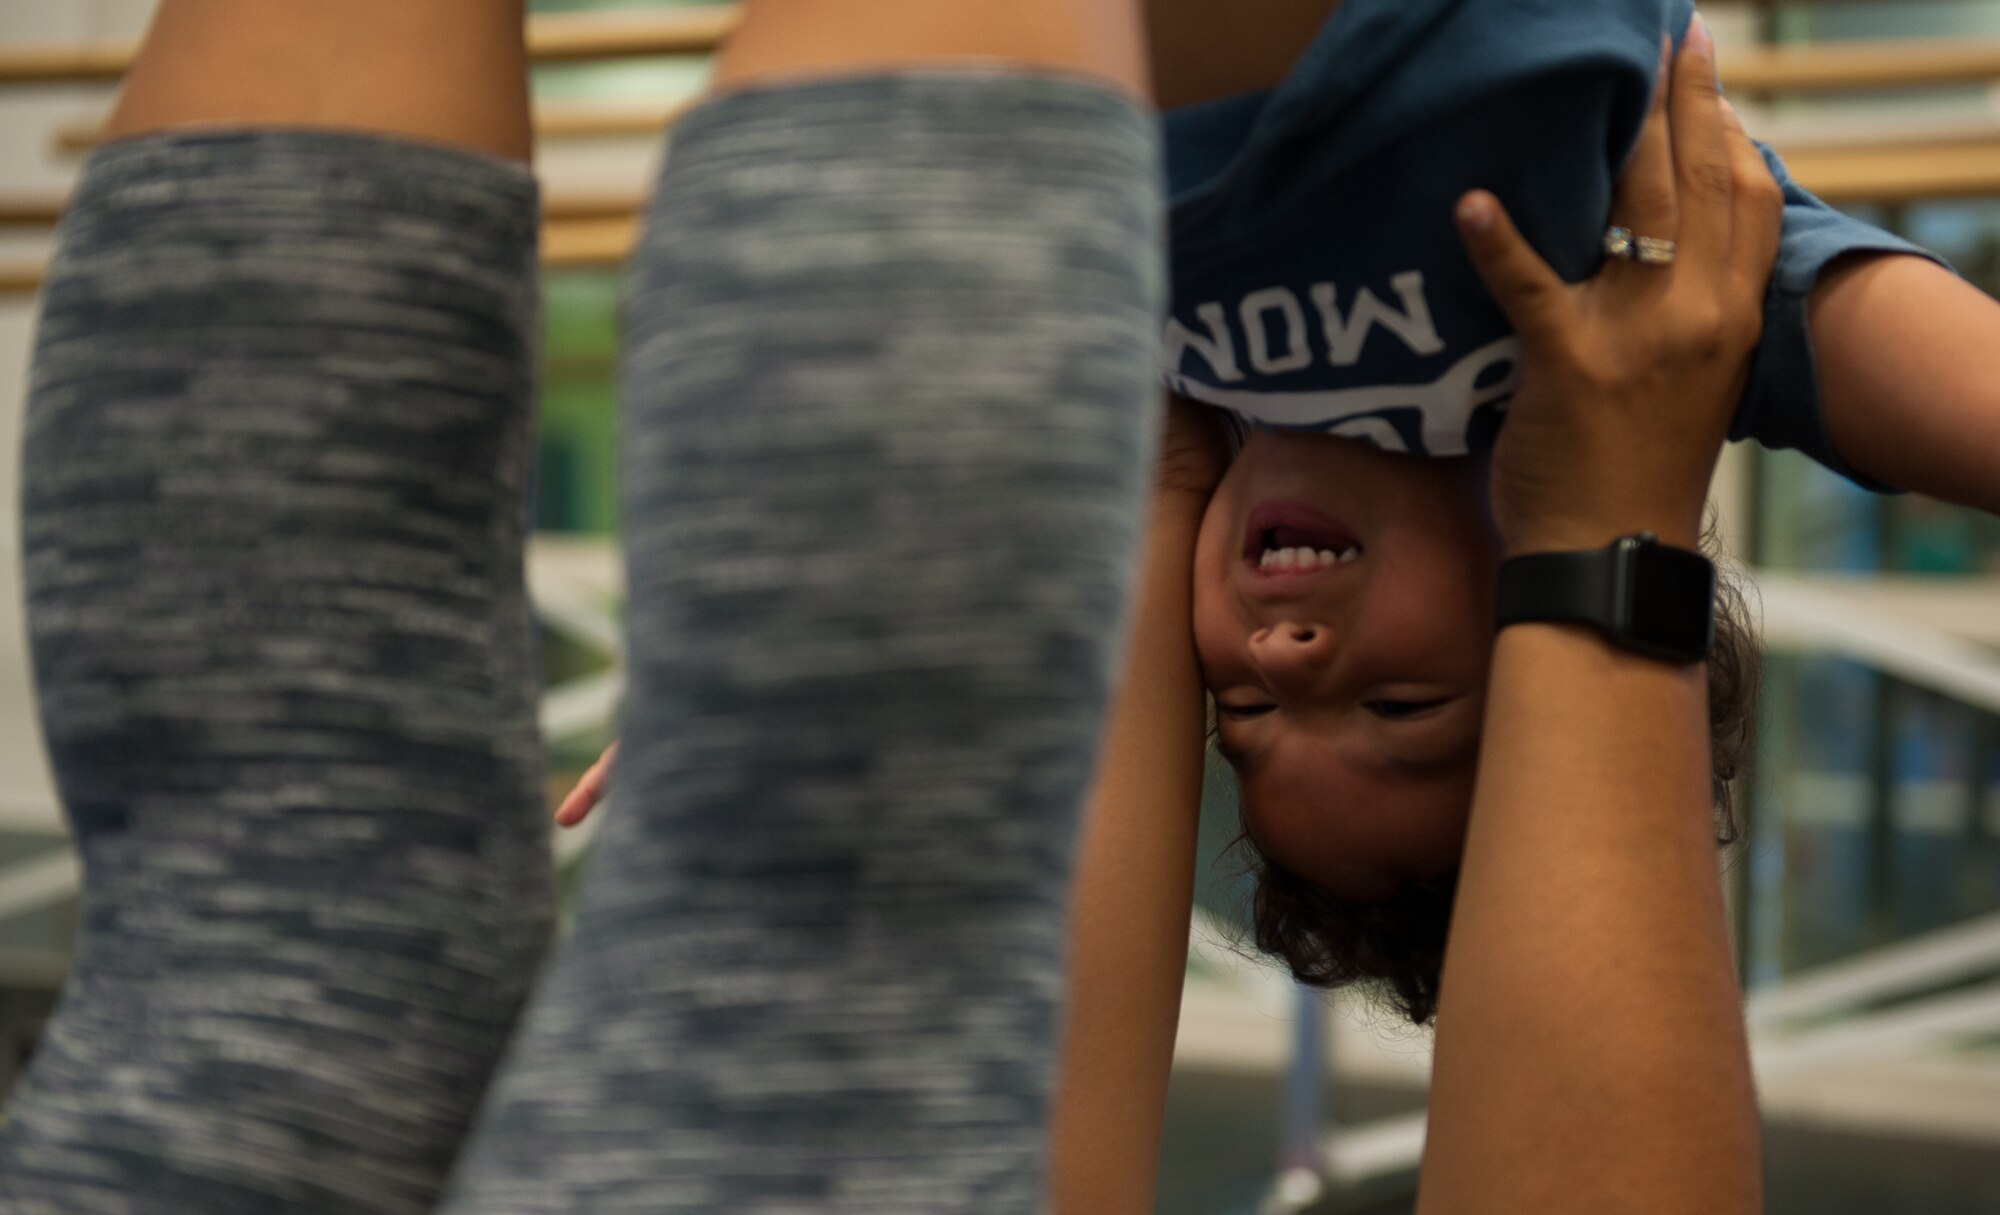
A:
<point x="1653" y="251"/>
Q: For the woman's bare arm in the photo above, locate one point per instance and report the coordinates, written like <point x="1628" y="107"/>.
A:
<point x="1605" y="1067"/>
<point x="1590" y="1051"/>
<point x="1909" y="370"/>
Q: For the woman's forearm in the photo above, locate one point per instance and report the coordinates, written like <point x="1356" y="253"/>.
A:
<point x="1134" y="888"/>
<point x="1605" y="1069"/>
<point x="1590" y="1047"/>
<point x="1909" y="369"/>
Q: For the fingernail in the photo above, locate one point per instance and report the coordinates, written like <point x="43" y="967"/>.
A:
<point x="1699" y="38"/>
<point x="1475" y="212"/>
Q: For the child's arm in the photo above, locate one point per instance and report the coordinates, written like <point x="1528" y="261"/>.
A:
<point x="1134" y="884"/>
<point x="1909" y="371"/>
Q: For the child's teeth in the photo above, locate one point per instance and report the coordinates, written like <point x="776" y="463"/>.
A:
<point x="1305" y="558"/>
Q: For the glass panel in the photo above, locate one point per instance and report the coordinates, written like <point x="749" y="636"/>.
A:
<point x="1982" y="868"/>
<point x="1930" y="810"/>
<point x="1813" y="519"/>
<point x="577" y="479"/>
<point x="1825" y="796"/>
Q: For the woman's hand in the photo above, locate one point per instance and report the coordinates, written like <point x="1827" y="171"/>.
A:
<point x="1630" y="379"/>
<point x="589" y="790"/>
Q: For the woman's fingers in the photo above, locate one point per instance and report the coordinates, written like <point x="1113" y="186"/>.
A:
<point x="1643" y="202"/>
<point x="1532" y="295"/>
<point x="1760" y="209"/>
<point x="1702" y="172"/>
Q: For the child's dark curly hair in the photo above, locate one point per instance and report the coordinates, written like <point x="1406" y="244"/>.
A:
<point x="1329" y="941"/>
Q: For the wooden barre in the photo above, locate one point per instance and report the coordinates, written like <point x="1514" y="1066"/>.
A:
<point x="1837" y="66"/>
<point x="598" y="244"/>
<point x="29" y="212"/>
<point x="553" y="120"/>
<point x="555" y="38"/>
<point x="1889" y="174"/>
<point x="20" y="280"/>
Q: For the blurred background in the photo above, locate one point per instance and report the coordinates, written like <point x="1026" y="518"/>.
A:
<point x="1866" y="899"/>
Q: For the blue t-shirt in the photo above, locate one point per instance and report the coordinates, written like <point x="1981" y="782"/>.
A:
<point x="1319" y="282"/>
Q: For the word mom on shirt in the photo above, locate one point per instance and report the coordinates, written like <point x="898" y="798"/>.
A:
<point x="1431" y="417"/>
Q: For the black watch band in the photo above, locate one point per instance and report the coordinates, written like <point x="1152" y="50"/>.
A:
<point x="1644" y="596"/>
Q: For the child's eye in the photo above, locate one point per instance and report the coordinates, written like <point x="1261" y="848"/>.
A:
<point x="1396" y="710"/>
<point x="1243" y="712"/>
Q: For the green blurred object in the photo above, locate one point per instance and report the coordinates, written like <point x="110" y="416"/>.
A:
<point x="577" y="477"/>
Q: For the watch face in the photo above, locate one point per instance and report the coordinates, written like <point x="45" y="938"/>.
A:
<point x="1669" y="597"/>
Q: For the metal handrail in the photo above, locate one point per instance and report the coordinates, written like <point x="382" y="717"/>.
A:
<point x="1948" y="955"/>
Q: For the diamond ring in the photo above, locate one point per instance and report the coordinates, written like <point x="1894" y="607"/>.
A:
<point x="1621" y="245"/>
<point x="1653" y="251"/>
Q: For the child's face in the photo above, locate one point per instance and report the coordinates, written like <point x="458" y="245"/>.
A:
<point x="1349" y="694"/>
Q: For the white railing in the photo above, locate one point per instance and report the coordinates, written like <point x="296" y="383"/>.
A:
<point x="1811" y="615"/>
<point x="1778" y="1049"/>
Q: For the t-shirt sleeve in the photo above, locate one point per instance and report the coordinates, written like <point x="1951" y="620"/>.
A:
<point x="1781" y="407"/>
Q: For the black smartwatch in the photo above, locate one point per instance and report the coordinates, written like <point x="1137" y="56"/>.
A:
<point x="1645" y="596"/>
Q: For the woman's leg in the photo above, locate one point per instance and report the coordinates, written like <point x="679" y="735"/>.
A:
<point x="889" y="391"/>
<point x="275" y="454"/>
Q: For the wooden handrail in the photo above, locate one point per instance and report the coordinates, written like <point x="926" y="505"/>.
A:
<point x="589" y="244"/>
<point x="587" y="37"/>
<point x="78" y="63"/>
<point x="555" y="38"/>
<point x="29" y="212"/>
<point x="553" y="120"/>
<point x="1913" y="173"/>
<point x="573" y="120"/>
<point x="20" y="280"/>
<point x="1886" y="64"/>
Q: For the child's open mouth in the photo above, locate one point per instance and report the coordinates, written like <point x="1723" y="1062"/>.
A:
<point x="1292" y="538"/>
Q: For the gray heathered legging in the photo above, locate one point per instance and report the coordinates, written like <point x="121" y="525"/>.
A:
<point x="887" y="396"/>
<point x="277" y="438"/>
